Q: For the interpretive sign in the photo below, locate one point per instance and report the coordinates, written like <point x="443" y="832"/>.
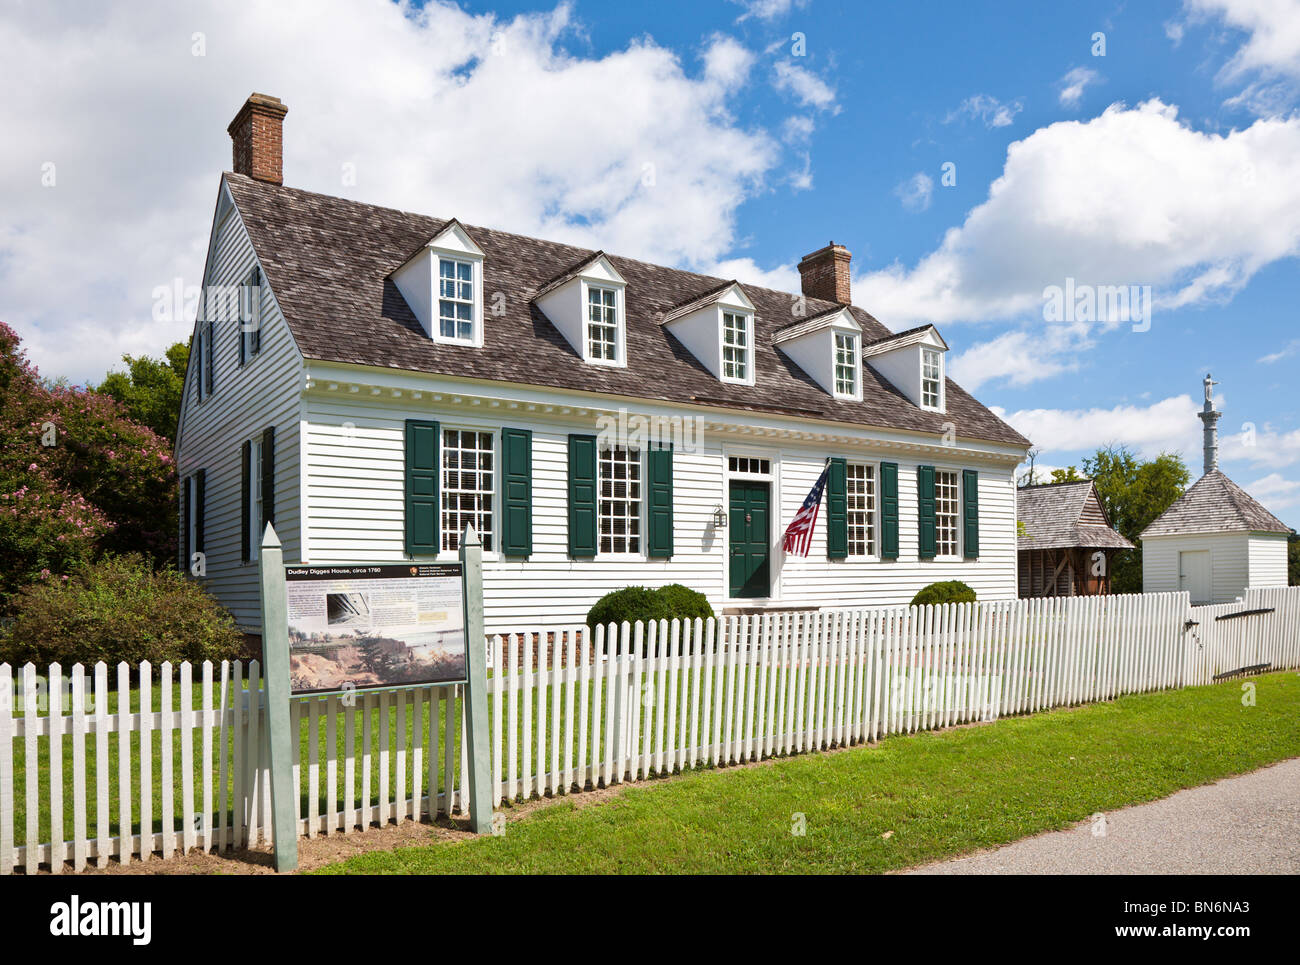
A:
<point x="358" y="627"/>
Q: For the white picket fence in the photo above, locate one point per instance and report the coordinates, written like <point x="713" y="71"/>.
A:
<point x="163" y="765"/>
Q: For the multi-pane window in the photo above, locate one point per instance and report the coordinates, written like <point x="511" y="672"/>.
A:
<point x="862" y="509"/>
<point x="930" y="378"/>
<point x="467" y="486"/>
<point x="602" y="324"/>
<point x="946" y="512"/>
<point x="735" y="346"/>
<point x="620" y="500"/>
<point x="846" y="364"/>
<point x="750" y="465"/>
<point x="456" y="299"/>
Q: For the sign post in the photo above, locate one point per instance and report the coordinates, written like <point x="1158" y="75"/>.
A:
<point x="275" y="678"/>
<point x="476" y="739"/>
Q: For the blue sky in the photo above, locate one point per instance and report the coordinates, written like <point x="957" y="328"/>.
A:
<point x="767" y="129"/>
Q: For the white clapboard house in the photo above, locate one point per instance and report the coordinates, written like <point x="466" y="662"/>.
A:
<point x="1216" y="540"/>
<point x="386" y="378"/>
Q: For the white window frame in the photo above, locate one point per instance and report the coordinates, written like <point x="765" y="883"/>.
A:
<point x="871" y="513"/>
<point x="747" y="349"/>
<point x="588" y="323"/>
<point x="255" y="519"/>
<point x="855" y="352"/>
<point x="620" y="329"/>
<point x="956" y="553"/>
<point x="474" y="301"/>
<point x="488" y="532"/>
<point x="635" y="463"/>
<point x="938" y="404"/>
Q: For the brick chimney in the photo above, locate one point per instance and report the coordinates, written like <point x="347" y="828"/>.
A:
<point x="257" y="137"/>
<point x="825" y="274"/>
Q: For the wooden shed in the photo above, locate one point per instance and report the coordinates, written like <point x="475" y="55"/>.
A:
<point x="1066" y="543"/>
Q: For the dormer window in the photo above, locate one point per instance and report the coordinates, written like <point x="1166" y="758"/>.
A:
<point x="846" y="365"/>
<point x="828" y="346"/>
<point x="602" y="324"/>
<point x="717" y="327"/>
<point x="931" y="378"/>
<point x="912" y="362"/>
<point x="737" y="348"/>
<point x="586" y="304"/>
<point x="442" y="283"/>
<point x="456" y="299"/>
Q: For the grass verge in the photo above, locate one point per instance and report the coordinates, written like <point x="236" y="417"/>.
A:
<point x="934" y="795"/>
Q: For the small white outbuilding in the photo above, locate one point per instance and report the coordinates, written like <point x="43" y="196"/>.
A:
<point x="1216" y="539"/>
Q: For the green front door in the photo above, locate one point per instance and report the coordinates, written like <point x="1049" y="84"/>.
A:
<point x="749" y="533"/>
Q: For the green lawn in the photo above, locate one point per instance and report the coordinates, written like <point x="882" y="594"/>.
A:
<point x="935" y="794"/>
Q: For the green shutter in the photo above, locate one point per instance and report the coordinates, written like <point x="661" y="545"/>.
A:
<point x="925" y="512"/>
<point x="517" y="501"/>
<point x="268" y="481"/>
<point x="659" y="492"/>
<point x="185" y="524"/>
<point x="837" y="511"/>
<point x="421" y="488"/>
<point x="245" y="498"/>
<point x="582" y="495"/>
<point x="970" y="501"/>
<point x="889" y="510"/>
<point x="200" y="498"/>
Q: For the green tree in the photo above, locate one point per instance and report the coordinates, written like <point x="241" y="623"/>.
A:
<point x="150" y="389"/>
<point x="1293" y="559"/>
<point x="1066" y="475"/>
<point x="1134" y="492"/>
<point x="77" y="477"/>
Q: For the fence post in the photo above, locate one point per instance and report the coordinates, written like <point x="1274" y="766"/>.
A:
<point x="275" y="681"/>
<point x="476" y="738"/>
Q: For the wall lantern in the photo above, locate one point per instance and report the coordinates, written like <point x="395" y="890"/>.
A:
<point x="719" y="517"/>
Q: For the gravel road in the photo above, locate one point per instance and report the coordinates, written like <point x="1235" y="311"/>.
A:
<point x="1241" y="825"/>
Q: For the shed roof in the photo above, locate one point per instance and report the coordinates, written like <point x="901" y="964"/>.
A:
<point x="1215" y="504"/>
<point x="1054" y="517"/>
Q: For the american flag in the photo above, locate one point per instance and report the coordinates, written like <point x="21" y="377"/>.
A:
<point x="798" y="535"/>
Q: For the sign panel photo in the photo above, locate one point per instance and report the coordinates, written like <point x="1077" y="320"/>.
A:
<point x="374" y="626"/>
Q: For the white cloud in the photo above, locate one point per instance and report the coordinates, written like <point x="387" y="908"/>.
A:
<point x="1131" y="197"/>
<point x="1258" y="446"/>
<point x="1072" y="85"/>
<point x="1273" y="29"/>
<point x="1021" y="357"/>
<point x="1275" y="492"/>
<point x="781" y="278"/>
<point x="1169" y="425"/>
<point x="768" y="9"/>
<point x="135" y="125"/>
<point x="1286" y="351"/>
<point x="916" y="192"/>
<point x="986" y="109"/>
<point x="797" y="129"/>
<point x="806" y="87"/>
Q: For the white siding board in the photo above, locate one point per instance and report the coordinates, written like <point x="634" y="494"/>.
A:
<point x="264" y="392"/>
<point x="354" y="483"/>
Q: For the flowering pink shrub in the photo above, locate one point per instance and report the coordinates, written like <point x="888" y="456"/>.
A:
<point x="77" y="477"/>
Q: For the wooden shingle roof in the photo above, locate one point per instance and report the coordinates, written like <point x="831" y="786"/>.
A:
<point x="329" y="259"/>
<point x="1215" y="504"/>
<point x="1063" y="515"/>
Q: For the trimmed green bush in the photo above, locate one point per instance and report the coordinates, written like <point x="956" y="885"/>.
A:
<point x="949" y="591"/>
<point x="685" y="603"/>
<point x="633" y="603"/>
<point x="119" y="608"/>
